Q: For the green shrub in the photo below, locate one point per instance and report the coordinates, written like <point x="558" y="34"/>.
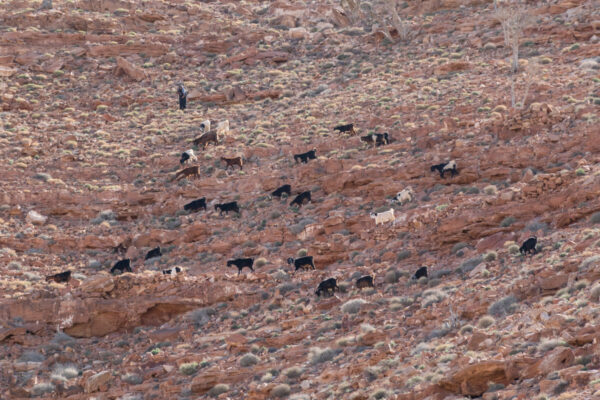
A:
<point x="248" y="360"/>
<point x="353" y="306"/>
<point x="261" y="262"/>
<point x="504" y="306"/>
<point x="282" y="390"/>
<point x="218" y="389"/>
<point x="318" y="355"/>
<point x="485" y="322"/>
<point x="293" y="372"/>
<point x="490" y="256"/>
<point x="188" y="368"/>
<point x="508" y="221"/>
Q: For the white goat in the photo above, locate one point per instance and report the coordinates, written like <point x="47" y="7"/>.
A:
<point x="405" y="196"/>
<point x="191" y="156"/>
<point x="450" y="166"/>
<point x="205" y="126"/>
<point x="223" y="127"/>
<point x="383" y="217"/>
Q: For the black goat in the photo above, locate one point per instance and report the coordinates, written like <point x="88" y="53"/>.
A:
<point x="327" y="285"/>
<point x="226" y="207"/>
<point x="60" y="277"/>
<point x="421" y="272"/>
<point x="168" y="271"/>
<point x="365" y="281"/>
<point x="153" y="253"/>
<point x="443" y="167"/>
<point x="529" y="246"/>
<point x="345" y="128"/>
<point x="240" y="263"/>
<point x="299" y="200"/>
<point x="281" y="190"/>
<point x="196" y="205"/>
<point x="304" y="157"/>
<point x="302" y="262"/>
<point x="122" y="265"/>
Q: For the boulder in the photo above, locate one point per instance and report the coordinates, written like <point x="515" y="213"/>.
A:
<point x="97" y="382"/>
<point x="474" y="379"/>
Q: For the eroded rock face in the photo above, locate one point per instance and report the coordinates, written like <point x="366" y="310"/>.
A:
<point x="473" y="380"/>
<point x="103" y="304"/>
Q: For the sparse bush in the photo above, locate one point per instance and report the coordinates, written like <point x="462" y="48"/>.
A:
<point x="372" y="372"/>
<point x="537" y="226"/>
<point x="466" y="329"/>
<point x="353" y="306"/>
<point x="588" y="261"/>
<point x="513" y="249"/>
<point x="66" y="371"/>
<point x="299" y="396"/>
<point x="490" y="256"/>
<point x="508" y="221"/>
<point x="458" y="246"/>
<point x="302" y="253"/>
<point x="31" y="356"/>
<point x="282" y="390"/>
<point x="14" y="265"/>
<point x="132" y="379"/>
<point x="582" y="284"/>
<point x="549" y="344"/>
<point x="392" y="275"/>
<point x="470" y="264"/>
<point x="345" y="341"/>
<point x="595" y="292"/>
<point x="404" y="300"/>
<point x="248" y="360"/>
<point x="380" y="394"/>
<point x="318" y="355"/>
<point x="293" y="372"/>
<point x="218" y="389"/>
<point x="414" y="381"/>
<point x="485" y="322"/>
<point x="490" y="190"/>
<point x="42" y="388"/>
<point x="595" y="218"/>
<point x="201" y="316"/>
<point x="432" y="296"/>
<point x="404" y="254"/>
<point x="188" y="368"/>
<point x="504" y="306"/>
<point x="261" y="262"/>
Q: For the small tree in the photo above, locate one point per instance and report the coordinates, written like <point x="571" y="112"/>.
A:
<point x="514" y="19"/>
<point x="529" y="73"/>
<point x="378" y="15"/>
<point x="352" y="10"/>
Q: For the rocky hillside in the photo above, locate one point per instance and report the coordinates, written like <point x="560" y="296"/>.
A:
<point x="90" y="141"/>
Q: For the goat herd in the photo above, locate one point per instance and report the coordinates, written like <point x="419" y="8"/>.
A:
<point x="328" y="285"/>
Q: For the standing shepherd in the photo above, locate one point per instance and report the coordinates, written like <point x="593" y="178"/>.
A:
<point x="182" y="93"/>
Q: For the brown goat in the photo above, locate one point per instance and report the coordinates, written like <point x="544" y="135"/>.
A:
<point x="205" y="139"/>
<point x="190" y="171"/>
<point x="233" y="161"/>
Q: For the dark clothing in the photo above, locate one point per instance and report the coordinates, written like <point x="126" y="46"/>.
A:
<point x="182" y="93"/>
